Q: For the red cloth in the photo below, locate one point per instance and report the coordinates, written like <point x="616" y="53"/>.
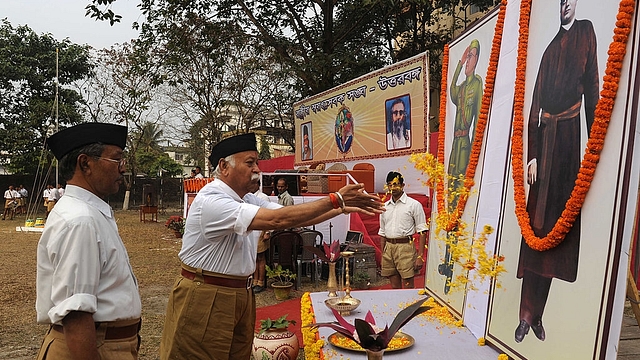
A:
<point x="279" y="163"/>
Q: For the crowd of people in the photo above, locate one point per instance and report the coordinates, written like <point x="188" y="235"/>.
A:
<point x="16" y="200"/>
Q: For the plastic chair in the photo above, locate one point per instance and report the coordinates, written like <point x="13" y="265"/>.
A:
<point x="309" y="238"/>
<point x="284" y="251"/>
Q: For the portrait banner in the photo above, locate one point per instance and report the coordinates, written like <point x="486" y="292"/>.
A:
<point x="467" y="70"/>
<point x="381" y="114"/>
<point x="566" y="301"/>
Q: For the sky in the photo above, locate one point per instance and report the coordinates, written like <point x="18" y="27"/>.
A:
<point x="66" y="19"/>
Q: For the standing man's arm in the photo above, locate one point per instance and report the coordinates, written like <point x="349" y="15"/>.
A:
<point x="420" y="221"/>
<point x="80" y="334"/>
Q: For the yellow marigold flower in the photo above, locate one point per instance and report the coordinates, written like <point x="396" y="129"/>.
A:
<point x="503" y="357"/>
<point x="481" y="341"/>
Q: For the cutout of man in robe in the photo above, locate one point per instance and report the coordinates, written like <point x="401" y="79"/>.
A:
<point x="567" y="79"/>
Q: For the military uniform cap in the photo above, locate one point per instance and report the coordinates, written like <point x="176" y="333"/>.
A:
<point x="66" y="140"/>
<point x="232" y="145"/>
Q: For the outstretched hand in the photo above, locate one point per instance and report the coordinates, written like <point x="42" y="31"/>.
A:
<point x="358" y="200"/>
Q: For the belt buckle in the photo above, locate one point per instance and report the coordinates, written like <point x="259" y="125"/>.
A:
<point x="249" y="282"/>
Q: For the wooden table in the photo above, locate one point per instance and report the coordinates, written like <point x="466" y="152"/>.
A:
<point x="148" y="209"/>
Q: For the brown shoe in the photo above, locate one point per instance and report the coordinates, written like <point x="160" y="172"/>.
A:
<point x="538" y="329"/>
<point x="522" y="330"/>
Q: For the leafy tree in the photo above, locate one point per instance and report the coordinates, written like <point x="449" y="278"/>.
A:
<point x="149" y="155"/>
<point x="28" y="92"/>
<point x="265" y="150"/>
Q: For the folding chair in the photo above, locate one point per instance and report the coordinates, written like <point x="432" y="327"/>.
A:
<point x="309" y="238"/>
<point x="284" y="251"/>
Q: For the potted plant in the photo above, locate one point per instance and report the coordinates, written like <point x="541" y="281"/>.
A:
<point x="282" y="281"/>
<point x="176" y="223"/>
<point x="361" y="280"/>
<point x="275" y="341"/>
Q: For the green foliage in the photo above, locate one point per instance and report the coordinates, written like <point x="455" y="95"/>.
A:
<point x="265" y="151"/>
<point x="28" y="88"/>
<point x="361" y="276"/>
<point x="282" y="276"/>
<point x="280" y="323"/>
<point x="175" y="223"/>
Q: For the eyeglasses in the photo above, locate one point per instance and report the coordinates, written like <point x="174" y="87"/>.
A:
<point x="398" y="112"/>
<point x="121" y="162"/>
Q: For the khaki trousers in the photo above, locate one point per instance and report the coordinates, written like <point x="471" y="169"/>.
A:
<point x="208" y="321"/>
<point x="54" y="346"/>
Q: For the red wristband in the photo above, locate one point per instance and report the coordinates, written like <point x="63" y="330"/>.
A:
<point x="334" y="200"/>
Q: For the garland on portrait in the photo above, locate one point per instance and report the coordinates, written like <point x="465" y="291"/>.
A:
<point x="453" y="217"/>
<point x="604" y="109"/>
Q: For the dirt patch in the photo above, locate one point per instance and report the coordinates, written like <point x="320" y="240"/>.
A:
<point x="153" y="251"/>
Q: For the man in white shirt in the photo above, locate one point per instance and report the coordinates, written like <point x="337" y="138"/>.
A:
<point x="45" y="195"/>
<point x="404" y="218"/>
<point x="54" y="195"/>
<point x="86" y="289"/>
<point x="24" y="195"/>
<point x="9" y="201"/>
<point x="60" y="191"/>
<point x="211" y="312"/>
<point x="199" y="173"/>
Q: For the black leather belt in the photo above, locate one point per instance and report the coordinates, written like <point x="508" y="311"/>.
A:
<point x="220" y="281"/>
<point x="402" y="240"/>
<point x="112" y="333"/>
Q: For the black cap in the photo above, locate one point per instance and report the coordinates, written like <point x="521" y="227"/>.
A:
<point x="232" y="145"/>
<point x="62" y="142"/>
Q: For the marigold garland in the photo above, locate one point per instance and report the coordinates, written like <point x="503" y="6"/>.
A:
<point x="604" y="108"/>
<point x="312" y="342"/>
<point x="476" y="147"/>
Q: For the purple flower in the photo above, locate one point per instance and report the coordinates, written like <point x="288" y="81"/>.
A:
<point x="331" y="252"/>
<point x="367" y="334"/>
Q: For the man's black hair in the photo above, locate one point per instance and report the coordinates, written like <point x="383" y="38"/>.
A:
<point x="394" y="174"/>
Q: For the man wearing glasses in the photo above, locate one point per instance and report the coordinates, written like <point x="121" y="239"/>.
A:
<point x="86" y="289"/>
<point x="398" y="131"/>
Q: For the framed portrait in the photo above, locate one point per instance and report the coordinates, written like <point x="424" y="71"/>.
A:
<point x="398" y="122"/>
<point x="306" y="139"/>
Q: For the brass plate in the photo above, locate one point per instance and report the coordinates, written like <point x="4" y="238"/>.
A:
<point x="336" y="335"/>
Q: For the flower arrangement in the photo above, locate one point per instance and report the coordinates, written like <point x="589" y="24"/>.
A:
<point x="280" y="275"/>
<point x="175" y="223"/>
<point x="466" y="250"/>
<point x="330" y="254"/>
<point x="365" y="332"/>
<point x="312" y="342"/>
<point x="604" y="108"/>
<point x="279" y="323"/>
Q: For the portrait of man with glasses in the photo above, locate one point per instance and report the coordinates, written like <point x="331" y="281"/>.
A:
<point x="398" y="123"/>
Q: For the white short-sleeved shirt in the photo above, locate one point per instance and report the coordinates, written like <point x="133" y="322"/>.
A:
<point x="215" y="235"/>
<point x="404" y="217"/>
<point x="83" y="264"/>
<point x="54" y="195"/>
